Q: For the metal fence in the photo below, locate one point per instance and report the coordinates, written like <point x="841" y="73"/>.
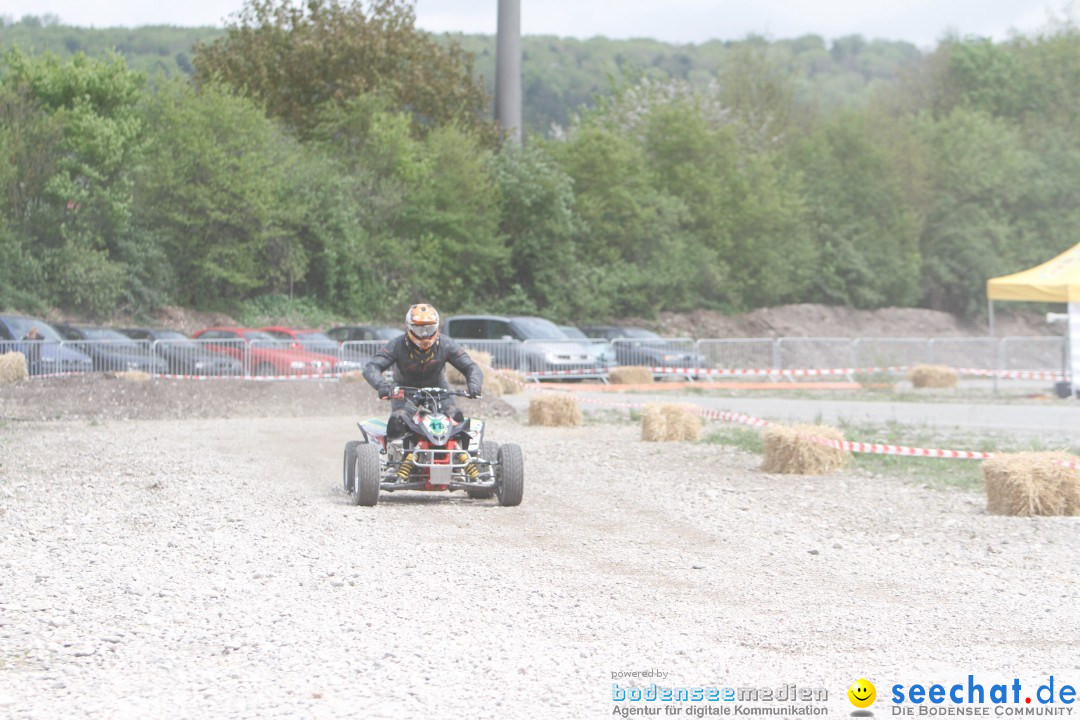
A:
<point x="891" y="352"/>
<point x="583" y="358"/>
<point x="751" y="353"/>
<point x="815" y="353"/>
<point x="1027" y="353"/>
<point x="505" y="354"/>
<point x="664" y="353"/>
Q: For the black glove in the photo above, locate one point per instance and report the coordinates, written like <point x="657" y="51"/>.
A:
<point x="473" y="392"/>
<point x="384" y="391"/>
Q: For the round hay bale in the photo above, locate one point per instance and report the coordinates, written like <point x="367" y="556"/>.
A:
<point x="932" y="376"/>
<point x="654" y="423"/>
<point x="353" y="376"/>
<point x="511" y="381"/>
<point x="1032" y="483"/>
<point x="663" y="422"/>
<point x="631" y="375"/>
<point x="13" y="368"/>
<point x="481" y="358"/>
<point x="135" y="376"/>
<point x="554" y="411"/>
<point x="798" y="450"/>
<point x="493" y="386"/>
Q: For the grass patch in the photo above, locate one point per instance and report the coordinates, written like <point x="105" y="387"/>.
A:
<point x="937" y="472"/>
<point x="612" y="416"/>
<point x="942" y="472"/>
<point x="894" y="390"/>
<point x="746" y="439"/>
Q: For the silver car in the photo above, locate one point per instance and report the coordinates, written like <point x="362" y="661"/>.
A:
<point x="528" y="344"/>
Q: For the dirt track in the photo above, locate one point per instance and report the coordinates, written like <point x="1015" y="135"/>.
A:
<point x="212" y="567"/>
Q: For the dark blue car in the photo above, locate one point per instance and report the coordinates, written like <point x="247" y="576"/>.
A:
<point x="45" y="356"/>
<point x="112" y="351"/>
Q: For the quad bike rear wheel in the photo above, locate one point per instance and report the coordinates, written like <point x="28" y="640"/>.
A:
<point x="489" y="450"/>
<point x="366" y="475"/>
<point x="510" y="475"/>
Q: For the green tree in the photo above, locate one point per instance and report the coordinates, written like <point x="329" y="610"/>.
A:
<point x="77" y="128"/>
<point x="865" y="229"/>
<point x="215" y="186"/>
<point x="978" y="167"/>
<point x="297" y="58"/>
<point x="537" y="219"/>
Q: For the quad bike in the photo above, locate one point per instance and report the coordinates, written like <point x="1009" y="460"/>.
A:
<point x="436" y="454"/>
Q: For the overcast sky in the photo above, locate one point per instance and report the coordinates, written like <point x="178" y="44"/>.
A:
<point x="681" y="21"/>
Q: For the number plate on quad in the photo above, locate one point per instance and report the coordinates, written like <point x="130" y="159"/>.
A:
<point x="440" y="474"/>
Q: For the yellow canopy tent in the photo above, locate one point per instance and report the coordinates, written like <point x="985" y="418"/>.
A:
<point x="1055" y="281"/>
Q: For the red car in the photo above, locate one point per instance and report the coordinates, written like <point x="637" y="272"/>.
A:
<point x="265" y="355"/>
<point x="310" y="340"/>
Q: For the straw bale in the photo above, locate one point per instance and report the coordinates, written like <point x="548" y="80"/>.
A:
<point x="932" y="376"/>
<point x="554" y="410"/>
<point x="661" y="422"/>
<point x="353" y="376"/>
<point x="790" y="450"/>
<point x="135" y="376"/>
<point x="630" y="375"/>
<point x="511" y="381"/>
<point x="12" y="368"/>
<point x="1032" y="483"/>
<point x="493" y="386"/>
<point x="481" y="358"/>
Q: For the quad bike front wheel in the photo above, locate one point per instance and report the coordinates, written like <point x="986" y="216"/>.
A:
<point x="366" y="475"/>
<point x="348" y="471"/>
<point x="489" y="450"/>
<point x="510" y="475"/>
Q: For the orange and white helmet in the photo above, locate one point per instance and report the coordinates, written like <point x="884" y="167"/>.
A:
<point x="422" y="324"/>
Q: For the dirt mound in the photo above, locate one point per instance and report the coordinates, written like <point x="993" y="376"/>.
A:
<point x="809" y="320"/>
<point x="188" y="321"/>
<point x="95" y="397"/>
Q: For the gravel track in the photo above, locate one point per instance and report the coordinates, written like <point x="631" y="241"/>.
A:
<point x="214" y="568"/>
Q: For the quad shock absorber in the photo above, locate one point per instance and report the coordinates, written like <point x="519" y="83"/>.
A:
<point x="405" y="468"/>
<point x="470" y="469"/>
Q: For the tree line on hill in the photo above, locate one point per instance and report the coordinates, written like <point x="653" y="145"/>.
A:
<point x="332" y="154"/>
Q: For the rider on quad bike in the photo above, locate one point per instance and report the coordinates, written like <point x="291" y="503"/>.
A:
<point x="419" y="358"/>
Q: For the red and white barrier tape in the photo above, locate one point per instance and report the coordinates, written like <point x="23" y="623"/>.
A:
<point x="1014" y="374"/>
<point x="732" y="417"/>
<point x="602" y="372"/>
<point x="253" y="378"/>
<point x="723" y="372"/>
<point x="805" y="372"/>
<point x="689" y="372"/>
<point x="769" y="372"/>
<point x="845" y="445"/>
<point x="165" y="376"/>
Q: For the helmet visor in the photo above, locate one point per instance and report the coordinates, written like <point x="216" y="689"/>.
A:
<point x="424" y="331"/>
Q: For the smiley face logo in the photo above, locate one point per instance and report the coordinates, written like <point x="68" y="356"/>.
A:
<point x="862" y="693"/>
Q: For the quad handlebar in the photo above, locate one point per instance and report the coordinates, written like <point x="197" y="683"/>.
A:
<point x="416" y="393"/>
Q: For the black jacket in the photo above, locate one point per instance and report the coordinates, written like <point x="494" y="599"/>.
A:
<point x="417" y="368"/>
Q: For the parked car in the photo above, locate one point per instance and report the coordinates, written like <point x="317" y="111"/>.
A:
<point x="263" y="354"/>
<point x="606" y="352"/>
<point x="111" y="350"/>
<point x="185" y="356"/>
<point x="317" y="342"/>
<point x="45" y="356"/>
<point x="527" y="343"/>
<point x="355" y="333"/>
<point x="638" y="346"/>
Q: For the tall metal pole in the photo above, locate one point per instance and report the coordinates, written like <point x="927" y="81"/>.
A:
<point x="508" y="70"/>
<point x="998" y="365"/>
